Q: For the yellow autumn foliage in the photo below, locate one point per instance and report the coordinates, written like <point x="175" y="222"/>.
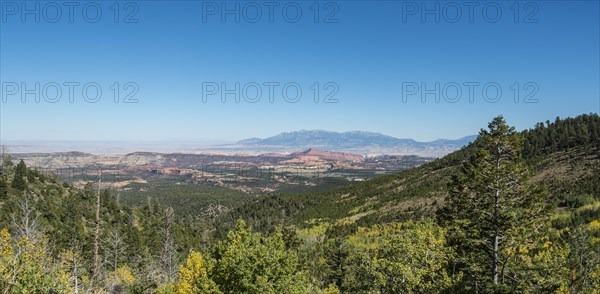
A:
<point x="124" y="275"/>
<point x="193" y="277"/>
<point x="595" y="224"/>
<point x="27" y="267"/>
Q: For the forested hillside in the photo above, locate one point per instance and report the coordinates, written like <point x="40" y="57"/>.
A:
<point x="568" y="169"/>
<point x="560" y="161"/>
<point x="511" y="212"/>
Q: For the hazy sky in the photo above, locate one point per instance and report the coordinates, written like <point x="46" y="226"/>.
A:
<point x="371" y="60"/>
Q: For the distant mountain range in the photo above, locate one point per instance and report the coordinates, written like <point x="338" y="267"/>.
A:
<point x="356" y="142"/>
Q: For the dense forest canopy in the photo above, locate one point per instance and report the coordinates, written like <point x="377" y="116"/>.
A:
<point x="511" y="212"/>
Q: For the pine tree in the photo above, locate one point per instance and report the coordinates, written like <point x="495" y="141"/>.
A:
<point x="490" y="210"/>
<point x="3" y="188"/>
<point x="19" y="179"/>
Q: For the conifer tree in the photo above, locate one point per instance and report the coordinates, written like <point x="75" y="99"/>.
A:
<point x="3" y="188"/>
<point x="490" y="210"/>
<point x="19" y="179"/>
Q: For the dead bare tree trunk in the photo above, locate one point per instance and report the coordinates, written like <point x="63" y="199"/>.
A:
<point x="74" y="257"/>
<point x="26" y="225"/>
<point x="75" y="267"/>
<point x="97" y="232"/>
<point x="496" y="240"/>
<point x="169" y="250"/>
<point x="495" y="220"/>
<point x="116" y="248"/>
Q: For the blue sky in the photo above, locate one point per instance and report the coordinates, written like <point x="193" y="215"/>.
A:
<point x="367" y="52"/>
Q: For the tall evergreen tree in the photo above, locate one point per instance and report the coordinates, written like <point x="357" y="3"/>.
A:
<point x="3" y="188"/>
<point x="490" y="210"/>
<point x="19" y="179"/>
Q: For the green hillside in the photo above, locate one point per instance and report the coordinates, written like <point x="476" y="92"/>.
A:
<point x="513" y="212"/>
<point x="342" y="230"/>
